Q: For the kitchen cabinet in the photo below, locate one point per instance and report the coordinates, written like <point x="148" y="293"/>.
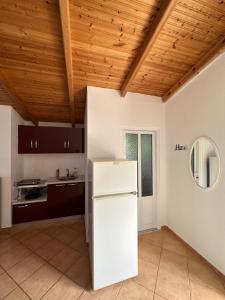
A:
<point x="43" y="139"/>
<point x="29" y="212"/>
<point x="27" y="139"/>
<point x="66" y="199"/>
<point x="63" y="199"/>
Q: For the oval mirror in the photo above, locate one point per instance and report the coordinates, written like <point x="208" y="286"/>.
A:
<point x="204" y="162"/>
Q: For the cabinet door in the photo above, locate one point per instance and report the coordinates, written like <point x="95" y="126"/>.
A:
<point x="29" y="212"/>
<point x="56" y="200"/>
<point x="26" y="139"/>
<point x="75" y="199"/>
<point x="51" y="140"/>
<point x="75" y="140"/>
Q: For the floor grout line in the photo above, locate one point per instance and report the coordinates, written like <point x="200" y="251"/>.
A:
<point x="189" y="279"/>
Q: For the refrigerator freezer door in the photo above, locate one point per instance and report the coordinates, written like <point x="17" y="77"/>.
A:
<point x="114" y="244"/>
<point x="112" y="177"/>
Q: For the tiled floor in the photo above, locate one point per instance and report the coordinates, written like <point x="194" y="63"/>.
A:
<point x="49" y="260"/>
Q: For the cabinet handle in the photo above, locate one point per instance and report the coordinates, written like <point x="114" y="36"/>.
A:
<point x="31" y="144"/>
<point x="22" y="206"/>
<point x="72" y="183"/>
<point x="65" y="145"/>
<point x="68" y="143"/>
<point x="60" y="185"/>
<point x="36" y="144"/>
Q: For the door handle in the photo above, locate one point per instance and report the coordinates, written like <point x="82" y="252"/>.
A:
<point x="72" y="183"/>
<point x="68" y="144"/>
<point x="64" y="144"/>
<point x="31" y="144"/>
<point x="36" y="144"/>
<point x="22" y="206"/>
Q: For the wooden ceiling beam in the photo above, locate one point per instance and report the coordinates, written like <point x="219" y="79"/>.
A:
<point x="66" y="32"/>
<point x="154" y="31"/>
<point x="16" y="101"/>
<point x="209" y="56"/>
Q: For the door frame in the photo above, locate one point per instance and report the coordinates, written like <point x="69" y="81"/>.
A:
<point x="156" y="162"/>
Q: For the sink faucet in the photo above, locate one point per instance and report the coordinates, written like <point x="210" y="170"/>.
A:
<point x="57" y="173"/>
<point x="67" y="172"/>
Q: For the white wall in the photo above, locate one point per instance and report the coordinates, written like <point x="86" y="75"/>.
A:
<point x="5" y="164"/>
<point x="109" y="115"/>
<point x="197" y="215"/>
<point x="17" y="159"/>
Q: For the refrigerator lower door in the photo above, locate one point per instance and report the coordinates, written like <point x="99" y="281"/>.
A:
<point x="114" y="239"/>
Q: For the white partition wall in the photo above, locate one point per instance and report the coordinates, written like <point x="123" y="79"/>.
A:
<point x="108" y="116"/>
<point x="197" y="215"/>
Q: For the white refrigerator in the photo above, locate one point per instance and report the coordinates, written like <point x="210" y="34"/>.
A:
<point x="113" y="222"/>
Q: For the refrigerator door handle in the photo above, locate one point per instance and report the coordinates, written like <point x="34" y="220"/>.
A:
<point x="114" y="195"/>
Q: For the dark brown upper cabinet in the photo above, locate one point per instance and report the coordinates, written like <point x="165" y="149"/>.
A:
<point x="42" y="139"/>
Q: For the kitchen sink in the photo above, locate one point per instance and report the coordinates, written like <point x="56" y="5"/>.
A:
<point x="67" y="178"/>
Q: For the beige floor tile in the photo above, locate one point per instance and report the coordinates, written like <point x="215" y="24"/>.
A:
<point x="53" y="229"/>
<point x="7" y="285"/>
<point x="8" y="245"/>
<point x="10" y="258"/>
<point x="80" y="272"/>
<point x="147" y="274"/>
<point x="133" y="291"/>
<point x="4" y="236"/>
<point x="172" y="286"/>
<point x="174" y="244"/>
<point x="44" y="224"/>
<point x="148" y="252"/>
<point x="202" y="292"/>
<point x="109" y="293"/>
<point x="174" y="263"/>
<point x="155" y="237"/>
<point x="41" y="281"/>
<point x="25" y="268"/>
<point x="79" y="243"/>
<point x="64" y="289"/>
<point x="78" y="226"/>
<point x="1" y="271"/>
<point x="157" y="297"/>
<point x="200" y="271"/>
<point x="37" y="241"/>
<point x="88" y="296"/>
<point x="26" y="234"/>
<point x="193" y="255"/>
<point x="17" y="294"/>
<point x="66" y="235"/>
<point x="65" y="258"/>
<point x="68" y="221"/>
<point x="49" y="250"/>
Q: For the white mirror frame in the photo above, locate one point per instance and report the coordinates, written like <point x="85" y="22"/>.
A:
<point x="219" y="168"/>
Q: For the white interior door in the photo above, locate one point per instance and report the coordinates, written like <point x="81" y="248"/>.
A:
<point x="140" y="146"/>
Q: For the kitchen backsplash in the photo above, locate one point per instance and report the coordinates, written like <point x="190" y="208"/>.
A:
<point x="45" y="165"/>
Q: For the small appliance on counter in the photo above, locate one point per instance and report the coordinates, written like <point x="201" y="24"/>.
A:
<point x="30" y="190"/>
<point x="29" y="182"/>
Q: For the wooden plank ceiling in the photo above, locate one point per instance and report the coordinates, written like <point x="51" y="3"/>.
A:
<point x="106" y="38"/>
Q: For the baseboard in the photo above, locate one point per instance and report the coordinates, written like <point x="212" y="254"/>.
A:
<point x="197" y="253"/>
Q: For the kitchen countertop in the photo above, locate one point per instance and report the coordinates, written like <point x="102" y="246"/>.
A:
<point x="54" y="180"/>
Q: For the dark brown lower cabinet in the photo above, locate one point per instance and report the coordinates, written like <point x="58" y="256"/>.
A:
<point x="29" y="212"/>
<point x="63" y="200"/>
<point x="66" y="199"/>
